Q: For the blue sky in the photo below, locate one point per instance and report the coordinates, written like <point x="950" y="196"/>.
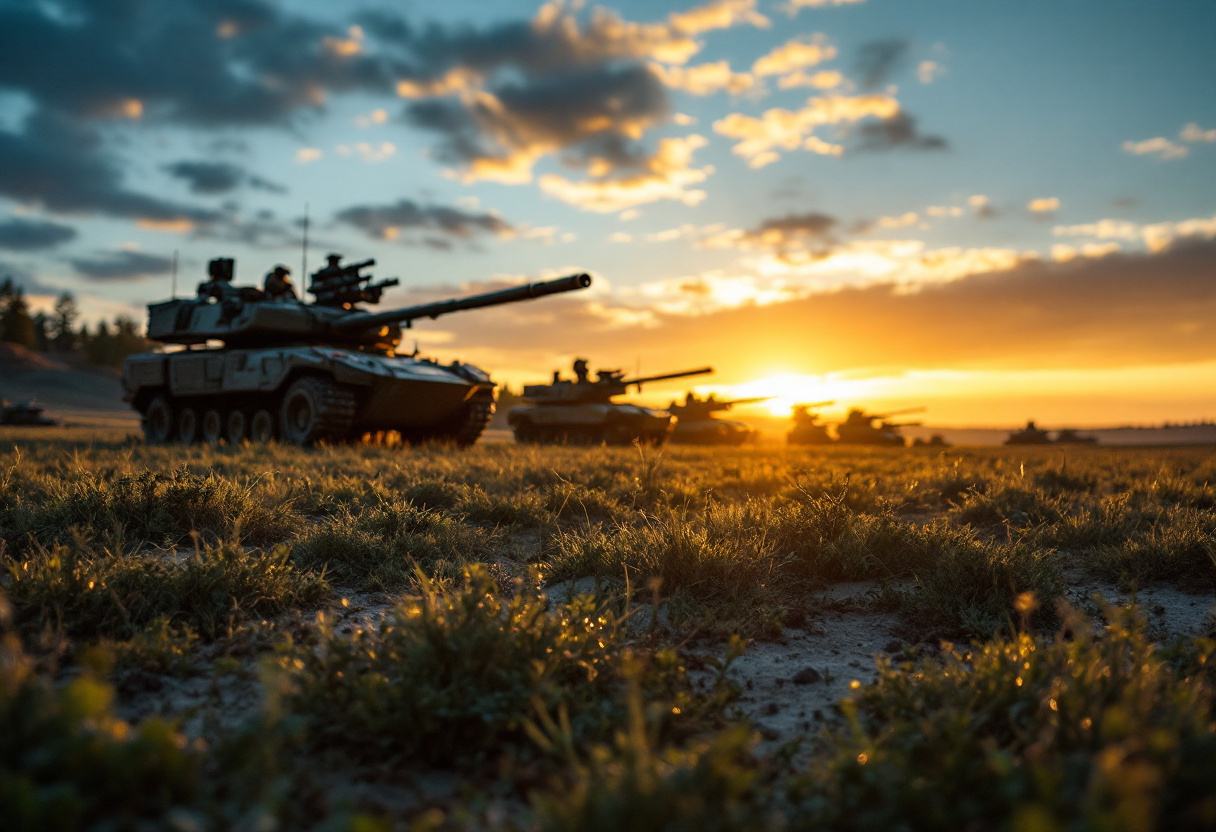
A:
<point x="869" y="152"/>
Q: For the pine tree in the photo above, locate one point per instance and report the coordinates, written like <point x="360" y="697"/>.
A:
<point x="16" y="326"/>
<point x="62" y="326"/>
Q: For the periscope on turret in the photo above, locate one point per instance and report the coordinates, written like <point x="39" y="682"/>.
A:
<point x="238" y="364"/>
<point x="582" y="411"/>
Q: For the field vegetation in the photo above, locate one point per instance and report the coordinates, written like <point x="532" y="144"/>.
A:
<point x="557" y="638"/>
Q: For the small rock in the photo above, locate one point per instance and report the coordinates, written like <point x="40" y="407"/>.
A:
<point x="1159" y="610"/>
<point x="750" y="684"/>
<point x="807" y="676"/>
<point x="854" y="663"/>
<point x="893" y="646"/>
<point x="779" y="681"/>
<point x="771" y="708"/>
<point x="769" y="734"/>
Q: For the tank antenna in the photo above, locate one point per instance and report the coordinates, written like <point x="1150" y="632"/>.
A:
<point x="304" y="253"/>
<point x="173" y="285"/>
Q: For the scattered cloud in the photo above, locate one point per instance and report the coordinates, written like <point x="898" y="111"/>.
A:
<point x="928" y="71"/>
<point x="897" y="131"/>
<point x="705" y="79"/>
<point x="982" y="206"/>
<point x="1155" y="236"/>
<point x="879" y="60"/>
<point x="1194" y="133"/>
<point x="719" y="14"/>
<point x="308" y="154"/>
<point x="217" y="177"/>
<point x="667" y="174"/>
<point x="121" y="265"/>
<point x="1159" y="146"/>
<point x="759" y="138"/>
<point x="406" y="220"/>
<point x="793" y="232"/>
<point x="824" y="79"/>
<point x="1043" y="205"/>
<point x="794" y="6"/>
<point x="796" y="54"/>
<point x="20" y="234"/>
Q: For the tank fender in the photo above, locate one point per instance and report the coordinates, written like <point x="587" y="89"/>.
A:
<point x="143" y="371"/>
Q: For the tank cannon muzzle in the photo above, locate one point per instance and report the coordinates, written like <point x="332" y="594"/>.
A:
<point x="515" y="294"/>
<point x="905" y="411"/>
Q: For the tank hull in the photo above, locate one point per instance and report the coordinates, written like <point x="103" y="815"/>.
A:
<point x="711" y="432"/>
<point x="849" y="435"/>
<point x="590" y="424"/>
<point x="813" y="435"/>
<point x="354" y="392"/>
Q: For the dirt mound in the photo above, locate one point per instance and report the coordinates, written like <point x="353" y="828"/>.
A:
<point x="15" y="359"/>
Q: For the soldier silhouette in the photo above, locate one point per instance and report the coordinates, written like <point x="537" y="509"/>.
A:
<point x="580" y="370"/>
<point x="278" y="285"/>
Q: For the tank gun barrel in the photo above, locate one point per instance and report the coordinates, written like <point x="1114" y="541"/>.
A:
<point x="903" y="412"/>
<point x="700" y="371"/>
<point x="752" y="400"/>
<point x="433" y="310"/>
<point x="812" y="405"/>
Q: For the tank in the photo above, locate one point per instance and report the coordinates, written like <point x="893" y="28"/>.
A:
<point x="808" y="430"/>
<point x="1029" y="435"/>
<point x="697" y="425"/>
<point x="582" y="411"/>
<point x="1068" y="436"/>
<point x="858" y="428"/>
<point x="24" y="414"/>
<point x="241" y="363"/>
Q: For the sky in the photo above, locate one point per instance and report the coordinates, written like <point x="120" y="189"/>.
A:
<point x="998" y="210"/>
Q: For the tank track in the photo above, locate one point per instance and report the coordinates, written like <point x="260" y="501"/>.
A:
<point x="336" y="408"/>
<point x="477" y="415"/>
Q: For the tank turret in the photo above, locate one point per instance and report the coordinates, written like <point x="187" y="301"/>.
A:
<point x="1029" y="435"/>
<point x="245" y="363"/>
<point x="808" y="430"/>
<point x="697" y="425"/>
<point x="858" y="428"/>
<point x="580" y="410"/>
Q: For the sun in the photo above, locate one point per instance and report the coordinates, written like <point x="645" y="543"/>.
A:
<point x="788" y="389"/>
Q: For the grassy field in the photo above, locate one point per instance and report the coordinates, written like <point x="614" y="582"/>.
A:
<point x="569" y="638"/>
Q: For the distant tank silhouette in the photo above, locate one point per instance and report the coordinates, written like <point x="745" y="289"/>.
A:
<point x="1068" y="436"/>
<point x="582" y="411"/>
<point x="934" y="441"/>
<point x="858" y="428"/>
<point x="302" y="372"/>
<point x="1029" y="435"/>
<point x="697" y="425"/>
<point x="24" y="414"/>
<point x="807" y="429"/>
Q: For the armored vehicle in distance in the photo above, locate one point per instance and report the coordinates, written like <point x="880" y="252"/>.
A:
<point x="1029" y="435"/>
<point x="582" y="412"/>
<point x="697" y="425"/>
<point x="858" y="428"/>
<point x="246" y="363"/>
<point x="808" y="430"/>
<point x="24" y="414"/>
<point x="1068" y="436"/>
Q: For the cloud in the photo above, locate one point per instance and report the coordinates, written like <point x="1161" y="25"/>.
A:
<point x="796" y="54"/>
<point x="794" y="6"/>
<point x="60" y="166"/>
<point x="719" y="14"/>
<point x="897" y="131"/>
<point x="1156" y="308"/>
<point x="1194" y="133"/>
<point x="1159" y="146"/>
<point x="783" y="234"/>
<point x="927" y="71"/>
<point x="217" y="177"/>
<point x="402" y="220"/>
<point x="879" y="60"/>
<point x="1155" y="236"/>
<point x="121" y="265"/>
<point x="759" y="138"/>
<point x="34" y="235"/>
<point x="1043" y="205"/>
<point x="824" y="79"/>
<point x="367" y="151"/>
<point x="982" y="205"/>
<point x="667" y="174"/>
<point x="705" y="79"/>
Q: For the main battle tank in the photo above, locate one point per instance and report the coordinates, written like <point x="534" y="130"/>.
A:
<point x="582" y="411"/>
<point x="858" y="428"/>
<point x="244" y="364"/>
<point x="808" y="430"/>
<point x="697" y="425"/>
<point x="1029" y="435"/>
<point x="25" y="414"/>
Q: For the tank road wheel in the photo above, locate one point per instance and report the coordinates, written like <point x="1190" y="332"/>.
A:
<point x="261" y="427"/>
<point x="213" y="427"/>
<point x="158" y="422"/>
<point x="235" y="427"/>
<point x="315" y="408"/>
<point x="187" y="426"/>
<point x="478" y="412"/>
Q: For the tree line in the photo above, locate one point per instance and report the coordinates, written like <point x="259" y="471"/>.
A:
<point x="105" y="344"/>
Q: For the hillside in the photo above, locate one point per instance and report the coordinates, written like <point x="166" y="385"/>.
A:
<point x="69" y="389"/>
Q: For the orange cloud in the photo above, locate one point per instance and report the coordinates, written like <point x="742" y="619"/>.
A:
<point x="1159" y="146"/>
<point x="794" y="55"/>
<point x="705" y="79"/>
<point x="720" y="14"/>
<point x="666" y="175"/>
<point x="758" y="138"/>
